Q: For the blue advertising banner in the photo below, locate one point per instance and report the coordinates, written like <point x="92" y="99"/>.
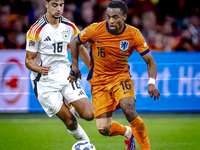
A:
<point x="178" y="81"/>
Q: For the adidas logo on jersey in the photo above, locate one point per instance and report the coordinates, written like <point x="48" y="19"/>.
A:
<point x="81" y="93"/>
<point x="47" y="39"/>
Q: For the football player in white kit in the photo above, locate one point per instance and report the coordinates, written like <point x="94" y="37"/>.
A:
<point x="47" y="58"/>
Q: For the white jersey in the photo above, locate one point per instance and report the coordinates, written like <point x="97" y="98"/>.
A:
<point x="50" y="44"/>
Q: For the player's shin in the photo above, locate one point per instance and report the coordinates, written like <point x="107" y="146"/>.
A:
<point x="140" y="133"/>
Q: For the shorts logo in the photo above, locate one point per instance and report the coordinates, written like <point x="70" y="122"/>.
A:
<point x="65" y="35"/>
<point x="50" y="109"/>
<point x="124" y="45"/>
<point x="31" y="43"/>
<point x="81" y="93"/>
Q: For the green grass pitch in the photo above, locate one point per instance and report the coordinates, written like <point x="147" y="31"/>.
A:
<point x="38" y="132"/>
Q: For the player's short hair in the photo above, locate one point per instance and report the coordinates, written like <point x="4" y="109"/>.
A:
<point x="118" y="4"/>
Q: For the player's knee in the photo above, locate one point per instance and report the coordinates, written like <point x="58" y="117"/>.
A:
<point x="104" y="132"/>
<point x="130" y="114"/>
<point x="88" y="116"/>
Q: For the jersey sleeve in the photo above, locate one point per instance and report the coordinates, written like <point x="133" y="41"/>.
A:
<point x="75" y="30"/>
<point x="32" y="40"/>
<point x="86" y="34"/>
<point x="141" y="45"/>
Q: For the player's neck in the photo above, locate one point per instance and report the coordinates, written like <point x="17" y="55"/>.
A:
<point x="121" y="29"/>
<point x="54" y="22"/>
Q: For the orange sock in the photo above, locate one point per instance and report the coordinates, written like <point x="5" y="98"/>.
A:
<point x="117" y="129"/>
<point x="140" y="133"/>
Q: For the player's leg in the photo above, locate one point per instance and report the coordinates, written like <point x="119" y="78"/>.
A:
<point x="75" y="95"/>
<point x="104" y="105"/>
<point x="84" y="108"/>
<point x="71" y="108"/>
<point x="70" y="121"/>
<point x="107" y="127"/>
<point x="137" y="125"/>
<point x="124" y="94"/>
<point x="52" y="103"/>
<point x="104" y="122"/>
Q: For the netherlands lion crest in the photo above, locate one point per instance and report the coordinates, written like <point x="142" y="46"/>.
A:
<point x="124" y="45"/>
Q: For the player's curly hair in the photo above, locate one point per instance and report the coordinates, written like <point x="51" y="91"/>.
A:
<point x="118" y="4"/>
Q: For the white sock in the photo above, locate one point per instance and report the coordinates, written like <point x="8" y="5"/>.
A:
<point x="79" y="134"/>
<point x="74" y="112"/>
<point x="128" y="133"/>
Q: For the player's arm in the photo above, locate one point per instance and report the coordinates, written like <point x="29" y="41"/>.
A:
<point x="75" y="47"/>
<point x="32" y="65"/>
<point x="83" y="53"/>
<point x="152" y="73"/>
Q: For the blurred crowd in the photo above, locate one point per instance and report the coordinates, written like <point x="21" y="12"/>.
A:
<point x="167" y="25"/>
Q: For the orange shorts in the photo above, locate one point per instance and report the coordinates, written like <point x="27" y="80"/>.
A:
<point x="106" y="98"/>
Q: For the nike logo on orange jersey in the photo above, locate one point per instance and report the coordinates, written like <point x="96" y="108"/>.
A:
<point x="126" y="92"/>
<point x="99" y="42"/>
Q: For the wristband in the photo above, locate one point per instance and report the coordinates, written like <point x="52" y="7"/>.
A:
<point x="76" y="75"/>
<point x="152" y="81"/>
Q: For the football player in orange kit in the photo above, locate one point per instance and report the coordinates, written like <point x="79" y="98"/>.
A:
<point x="112" y="42"/>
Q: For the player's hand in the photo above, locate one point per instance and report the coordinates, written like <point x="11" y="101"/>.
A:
<point x="45" y="70"/>
<point x="153" y="91"/>
<point x="73" y="77"/>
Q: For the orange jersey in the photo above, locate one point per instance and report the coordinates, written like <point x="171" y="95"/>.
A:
<point x="109" y="53"/>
